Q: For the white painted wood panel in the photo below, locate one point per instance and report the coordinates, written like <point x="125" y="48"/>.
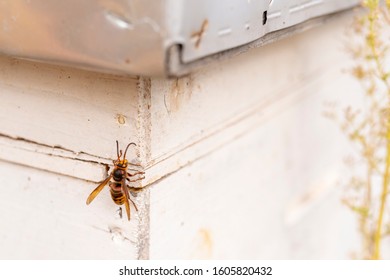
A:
<point x="44" y="216"/>
<point x="77" y="113"/>
<point x="65" y="121"/>
<point x="272" y="194"/>
<point x="255" y="166"/>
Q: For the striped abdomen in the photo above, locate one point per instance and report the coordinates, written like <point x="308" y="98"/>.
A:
<point x="116" y="193"/>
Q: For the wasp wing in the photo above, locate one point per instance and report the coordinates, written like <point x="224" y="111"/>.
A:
<point x="98" y="189"/>
<point x="127" y="196"/>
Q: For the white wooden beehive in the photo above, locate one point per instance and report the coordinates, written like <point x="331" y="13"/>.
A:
<point x="237" y="165"/>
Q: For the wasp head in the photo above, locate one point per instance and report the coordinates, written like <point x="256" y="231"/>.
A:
<point x="121" y="162"/>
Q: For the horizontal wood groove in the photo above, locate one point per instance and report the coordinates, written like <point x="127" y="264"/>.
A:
<point x="55" y="159"/>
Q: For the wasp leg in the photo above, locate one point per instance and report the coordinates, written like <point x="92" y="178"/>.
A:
<point x="138" y="179"/>
<point x="135" y="190"/>
<point x="135" y="164"/>
<point x="120" y="212"/>
<point x="134" y="169"/>
<point x="135" y="206"/>
<point x="136" y="173"/>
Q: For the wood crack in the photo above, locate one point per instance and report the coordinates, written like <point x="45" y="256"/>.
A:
<point x="53" y="158"/>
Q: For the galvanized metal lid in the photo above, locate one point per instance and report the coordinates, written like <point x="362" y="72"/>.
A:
<point x="149" y="37"/>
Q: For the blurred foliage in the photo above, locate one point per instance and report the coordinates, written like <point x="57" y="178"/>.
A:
<point x="369" y="127"/>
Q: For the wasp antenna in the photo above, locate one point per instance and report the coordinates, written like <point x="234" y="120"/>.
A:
<point x="132" y="143"/>
<point x="117" y="149"/>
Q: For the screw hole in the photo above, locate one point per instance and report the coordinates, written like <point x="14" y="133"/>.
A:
<point x="264" y="17"/>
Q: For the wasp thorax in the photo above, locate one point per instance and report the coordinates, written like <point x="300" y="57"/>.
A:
<point x="118" y="174"/>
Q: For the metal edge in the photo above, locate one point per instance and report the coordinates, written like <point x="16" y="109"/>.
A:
<point x="175" y="67"/>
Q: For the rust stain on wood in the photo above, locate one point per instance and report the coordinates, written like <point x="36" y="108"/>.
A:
<point x="180" y="91"/>
<point x="197" y="35"/>
<point x="205" y="241"/>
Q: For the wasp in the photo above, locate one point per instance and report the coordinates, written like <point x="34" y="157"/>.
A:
<point x="120" y="176"/>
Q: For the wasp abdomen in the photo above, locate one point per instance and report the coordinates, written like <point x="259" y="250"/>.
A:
<point x="116" y="193"/>
<point x="117" y="196"/>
